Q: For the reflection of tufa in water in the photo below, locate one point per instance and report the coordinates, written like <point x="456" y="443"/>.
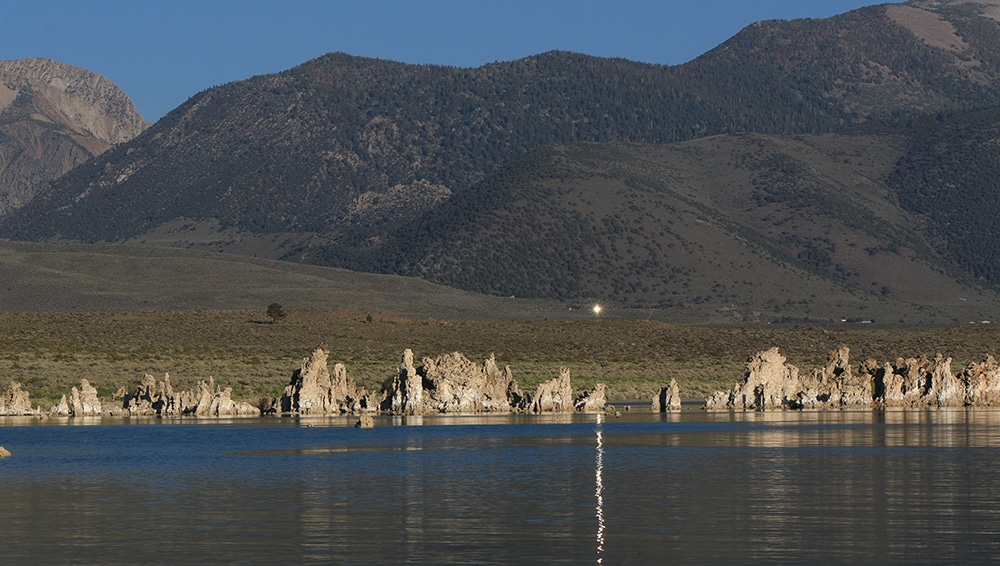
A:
<point x="599" y="490"/>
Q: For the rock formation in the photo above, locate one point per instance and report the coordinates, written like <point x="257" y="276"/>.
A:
<point x="407" y="388"/>
<point x="835" y="385"/>
<point x="365" y="421"/>
<point x="667" y="399"/>
<point x="768" y="383"/>
<point x="452" y="384"/>
<point x="53" y="117"/>
<point x="16" y="401"/>
<point x="555" y="395"/>
<point x="160" y="399"/>
<point x="982" y="383"/>
<point x="593" y="401"/>
<point x="4" y="453"/>
<point x="85" y="400"/>
<point x="922" y="382"/>
<point x="912" y="382"/>
<point x="313" y="390"/>
<point x="61" y="408"/>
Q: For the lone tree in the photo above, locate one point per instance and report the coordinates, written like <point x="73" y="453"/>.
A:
<point x="275" y="312"/>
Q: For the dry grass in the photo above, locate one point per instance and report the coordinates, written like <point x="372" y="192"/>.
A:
<point x="50" y="352"/>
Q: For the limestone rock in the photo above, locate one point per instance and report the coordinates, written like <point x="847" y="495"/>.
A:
<point x="314" y="391"/>
<point x="889" y="386"/>
<point x="946" y="389"/>
<point x="922" y="382"/>
<point x="16" y="402"/>
<point x="911" y="382"/>
<point x="668" y="398"/>
<point x="145" y="400"/>
<point x="835" y="385"/>
<point x="450" y="383"/>
<point x="159" y="399"/>
<point x="769" y="383"/>
<point x="772" y="384"/>
<point x="982" y="383"/>
<point x="61" y="408"/>
<point x="593" y="401"/>
<point x="365" y="421"/>
<point x="4" y="453"/>
<point x="455" y="384"/>
<point x="555" y="395"/>
<point x="407" y="388"/>
<point x="902" y="384"/>
<point x="310" y="387"/>
<point x="85" y="402"/>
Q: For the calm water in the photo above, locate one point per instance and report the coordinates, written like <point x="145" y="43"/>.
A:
<point x="832" y="487"/>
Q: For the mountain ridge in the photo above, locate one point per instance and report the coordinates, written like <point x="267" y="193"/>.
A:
<point x="54" y="117"/>
<point x="461" y="175"/>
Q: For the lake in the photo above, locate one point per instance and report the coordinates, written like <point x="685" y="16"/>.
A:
<point x="859" y="487"/>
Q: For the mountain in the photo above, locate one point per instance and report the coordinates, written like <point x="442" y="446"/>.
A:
<point x="735" y="227"/>
<point x="717" y="183"/>
<point x="343" y="142"/>
<point x="948" y="178"/>
<point x="52" y="118"/>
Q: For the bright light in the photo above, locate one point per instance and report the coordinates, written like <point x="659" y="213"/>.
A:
<point x="597" y="310"/>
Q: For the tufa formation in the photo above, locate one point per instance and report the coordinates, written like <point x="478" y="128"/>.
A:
<point x="771" y="383"/>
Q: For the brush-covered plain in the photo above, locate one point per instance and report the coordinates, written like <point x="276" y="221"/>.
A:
<point x="49" y="352"/>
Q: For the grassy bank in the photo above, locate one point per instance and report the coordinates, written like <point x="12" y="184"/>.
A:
<point x="50" y="352"/>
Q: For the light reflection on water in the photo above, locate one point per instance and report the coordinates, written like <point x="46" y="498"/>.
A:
<point x="853" y="486"/>
<point x="599" y="491"/>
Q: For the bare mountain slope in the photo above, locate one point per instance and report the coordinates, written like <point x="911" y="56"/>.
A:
<point x="53" y="117"/>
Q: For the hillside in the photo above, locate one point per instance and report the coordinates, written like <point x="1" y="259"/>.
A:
<point x="743" y="229"/>
<point x="740" y="227"/>
<point x="713" y="189"/>
<point x="52" y="118"/>
<point x="340" y="142"/>
<point x="948" y="177"/>
<point x="98" y="278"/>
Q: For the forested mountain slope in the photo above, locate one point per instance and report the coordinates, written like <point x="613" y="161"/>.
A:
<point x="341" y="141"/>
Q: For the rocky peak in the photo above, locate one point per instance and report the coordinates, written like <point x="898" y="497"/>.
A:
<point x="84" y="101"/>
<point x="54" y="117"/>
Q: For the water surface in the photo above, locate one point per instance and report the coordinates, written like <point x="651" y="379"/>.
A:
<point x="843" y="487"/>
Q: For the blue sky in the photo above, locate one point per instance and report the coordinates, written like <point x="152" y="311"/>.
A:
<point x="160" y="53"/>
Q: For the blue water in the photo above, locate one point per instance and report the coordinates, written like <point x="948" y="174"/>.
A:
<point x="860" y="487"/>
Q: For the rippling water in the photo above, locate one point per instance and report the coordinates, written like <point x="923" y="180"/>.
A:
<point x="859" y="487"/>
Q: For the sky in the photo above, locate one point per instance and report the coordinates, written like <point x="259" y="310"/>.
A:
<point x="161" y="53"/>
